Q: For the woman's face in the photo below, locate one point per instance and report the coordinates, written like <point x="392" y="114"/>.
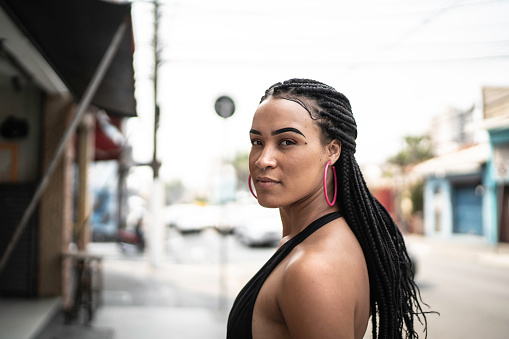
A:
<point x="286" y="143"/>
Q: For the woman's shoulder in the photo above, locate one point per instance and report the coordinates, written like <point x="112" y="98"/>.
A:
<point x="325" y="278"/>
<point x="332" y="251"/>
<point x="333" y="243"/>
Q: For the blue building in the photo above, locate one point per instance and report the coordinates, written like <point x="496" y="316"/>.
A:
<point x="455" y="196"/>
<point x="466" y="191"/>
<point x="496" y="122"/>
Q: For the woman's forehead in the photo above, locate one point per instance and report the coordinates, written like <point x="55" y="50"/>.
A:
<point x="276" y="111"/>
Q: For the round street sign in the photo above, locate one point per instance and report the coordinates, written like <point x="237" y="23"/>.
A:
<point x="224" y="106"/>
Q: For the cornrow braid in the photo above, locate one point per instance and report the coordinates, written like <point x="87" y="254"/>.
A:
<point x="395" y="298"/>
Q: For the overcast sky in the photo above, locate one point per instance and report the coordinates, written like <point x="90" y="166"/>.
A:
<point x="399" y="62"/>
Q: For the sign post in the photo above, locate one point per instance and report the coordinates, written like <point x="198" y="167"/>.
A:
<point x="225" y="107"/>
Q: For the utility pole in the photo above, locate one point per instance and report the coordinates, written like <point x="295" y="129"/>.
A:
<point x="157" y="61"/>
<point x="157" y="225"/>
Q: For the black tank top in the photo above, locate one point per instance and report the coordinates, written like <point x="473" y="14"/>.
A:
<point x="241" y="314"/>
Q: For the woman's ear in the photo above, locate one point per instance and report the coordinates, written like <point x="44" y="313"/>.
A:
<point x="334" y="150"/>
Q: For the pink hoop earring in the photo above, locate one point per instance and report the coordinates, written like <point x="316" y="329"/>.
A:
<point x="251" y="188"/>
<point x="325" y="184"/>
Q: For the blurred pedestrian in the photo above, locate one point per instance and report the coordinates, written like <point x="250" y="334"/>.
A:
<point x="342" y="259"/>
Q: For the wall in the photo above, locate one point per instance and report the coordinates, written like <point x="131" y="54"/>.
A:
<point x="22" y="99"/>
<point x="497" y="176"/>
<point x="55" y="221"/>
<point x="439" y="206"/>
<point x="438" y="218"/>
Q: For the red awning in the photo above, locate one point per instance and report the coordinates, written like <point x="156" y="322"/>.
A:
<point x="109" y="139"/>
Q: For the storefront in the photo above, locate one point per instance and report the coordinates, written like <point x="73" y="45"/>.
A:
<point x="61" y="63"/>
<point x="496" y="122"/>
<point x="455" y="194"/>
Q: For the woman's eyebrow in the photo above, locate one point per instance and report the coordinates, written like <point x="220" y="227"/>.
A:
<point x="287" y="129"/>
<point x="279" y="131"/>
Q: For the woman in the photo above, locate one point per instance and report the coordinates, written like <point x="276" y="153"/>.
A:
<point x="342" y="259"/>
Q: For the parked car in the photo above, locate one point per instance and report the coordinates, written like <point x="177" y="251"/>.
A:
<point x="260" y="227"/>
<point x="230" y="216"/>
<point x="187" y="218"/>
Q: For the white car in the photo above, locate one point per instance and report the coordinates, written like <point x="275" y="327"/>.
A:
<point x="260" y="227"/>
<point x="187" y="218"/>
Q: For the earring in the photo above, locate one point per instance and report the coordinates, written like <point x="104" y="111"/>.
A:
<point x="325" y="184"/>
<point x="251" y="188"/>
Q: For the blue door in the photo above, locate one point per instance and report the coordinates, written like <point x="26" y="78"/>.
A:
<point x="467" y="207"/>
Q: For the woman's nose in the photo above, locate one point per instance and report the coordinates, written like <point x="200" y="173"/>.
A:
<point x="266" y="159"/>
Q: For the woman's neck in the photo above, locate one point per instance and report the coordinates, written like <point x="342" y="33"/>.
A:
<point x="299" y="215"/>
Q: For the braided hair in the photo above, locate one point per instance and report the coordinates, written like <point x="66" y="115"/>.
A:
<point x="395" y="298"/>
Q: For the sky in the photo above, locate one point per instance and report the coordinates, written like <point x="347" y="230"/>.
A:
<point x="400" y="62"/>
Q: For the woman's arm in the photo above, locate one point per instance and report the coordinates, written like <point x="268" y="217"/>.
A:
<point x="318" y="297"/>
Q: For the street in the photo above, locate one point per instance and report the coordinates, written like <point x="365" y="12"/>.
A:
<point x="468" y="289"/>
<point x="200" y="270"/>
<point x="188" y="297"/>
<point x="203" y="272"/>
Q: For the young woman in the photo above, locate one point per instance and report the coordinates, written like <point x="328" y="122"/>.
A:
<point x="342" y="259"/>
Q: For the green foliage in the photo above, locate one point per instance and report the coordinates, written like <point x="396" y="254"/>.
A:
<point x="417" y="196"/>
<point x="415" y="150"/>
<point x="241" y="164"/>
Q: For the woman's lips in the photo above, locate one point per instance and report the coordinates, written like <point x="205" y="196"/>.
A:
<point x="264" y="182"/>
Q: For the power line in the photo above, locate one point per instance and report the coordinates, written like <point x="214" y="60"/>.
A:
<point x="354" y="10"/>
<point x="275" y="62"/>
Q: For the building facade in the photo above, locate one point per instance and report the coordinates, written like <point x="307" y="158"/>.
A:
<point x="496" y="122"/>
<point x="466" y="191"/>
<point x="454" y="193"/>
<point x="61" y="63"/>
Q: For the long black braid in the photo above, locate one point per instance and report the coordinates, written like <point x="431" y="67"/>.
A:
<point x="395" y="298"/>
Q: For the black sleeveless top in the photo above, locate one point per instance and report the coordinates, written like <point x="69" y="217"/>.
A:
<point x="241" y="314"/>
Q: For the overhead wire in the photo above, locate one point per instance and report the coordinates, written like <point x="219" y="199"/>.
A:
<point x="238" y="45"/>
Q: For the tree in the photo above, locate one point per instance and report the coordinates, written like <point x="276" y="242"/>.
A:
<point x="241" y="164"/>
<point x="415" y="150"/>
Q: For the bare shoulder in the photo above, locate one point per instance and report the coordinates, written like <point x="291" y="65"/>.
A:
<point x="324" y="290"/>
<point x="333" y="251"/>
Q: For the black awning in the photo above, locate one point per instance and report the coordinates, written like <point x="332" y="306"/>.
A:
<point x="73" y="36"/>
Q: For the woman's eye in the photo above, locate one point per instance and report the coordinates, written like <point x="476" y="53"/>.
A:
<point x="255" y="142"/>
<point x="287" y="143"/>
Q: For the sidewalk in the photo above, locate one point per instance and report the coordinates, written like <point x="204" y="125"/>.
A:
<point x="24" y="318"/>
<point x="467" y="246"/>
<point x="135" y="322"/>
<point x="142" y="302"/>
<point x="138" y="305"/>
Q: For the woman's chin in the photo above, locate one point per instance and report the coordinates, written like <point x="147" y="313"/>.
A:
<point x="268" y="203"/>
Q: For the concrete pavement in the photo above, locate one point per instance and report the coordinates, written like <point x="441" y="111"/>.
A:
<point x="139" y="301"/>
<point x="158" y="322"/>
<point x="144" y="303"/>
<point x="170" y="321"/>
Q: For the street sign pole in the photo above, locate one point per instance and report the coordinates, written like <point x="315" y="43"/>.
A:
<point x="224" y="107"/>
